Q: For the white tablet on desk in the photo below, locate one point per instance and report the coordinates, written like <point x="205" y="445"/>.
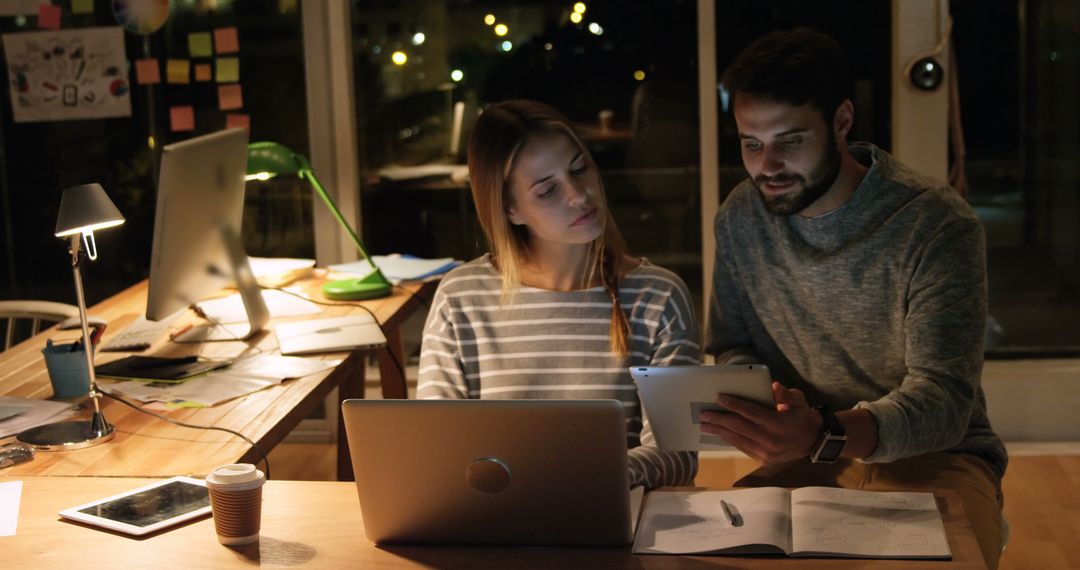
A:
<point x="674" y="396"/>
<point x="147" y="509"/>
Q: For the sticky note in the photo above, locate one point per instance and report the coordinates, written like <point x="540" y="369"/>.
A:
<point x="199" y="44"/>
<point x="237" y="120"/>
<point x="226" y="40"/>
<point x="82" y="6"/>
<point x="178" y="71"/>
<point x="203" y="72"/>
<point x="182" y="118"/>
<point x="48" y="17"/>
<point x="147" y="71"/>
<point x="228" y="69"/>
<point x="230" y="97"/>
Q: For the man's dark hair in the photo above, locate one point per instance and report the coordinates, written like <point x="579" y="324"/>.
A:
<point x="794" y="67"/>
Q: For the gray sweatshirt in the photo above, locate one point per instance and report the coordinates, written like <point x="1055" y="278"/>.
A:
<point x="879" y="304"/>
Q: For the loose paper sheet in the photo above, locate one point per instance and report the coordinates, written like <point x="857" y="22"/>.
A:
<point x="33" y="413"/>
<point x="228" y="69"/>
<point x="244" y="377"/>
<point x="147" y="71"/>
<point x="69" y="74"/>
<point x="10" y="497"/>
<point x="399" y="268"/>
<point x="230" y="309"/>
<point x="200" y="45"/>
<point x="226" y="40"/>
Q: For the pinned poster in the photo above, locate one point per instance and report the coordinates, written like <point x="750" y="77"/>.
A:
<point x="82" y="6"/>
<point x="182" y="118"/>
<point x="48" y="17"/>
<point x="178" y="71"/>
<point x="147" y="71"/>
<point x="203" y="72"/>
<point x="199" y="44"/>
<point x="226" y="40"/>
<point x="228" y="69"/>
<point x="68" y="74"/>
<point x="237" y="120"/>
<point x="230" y="97"/>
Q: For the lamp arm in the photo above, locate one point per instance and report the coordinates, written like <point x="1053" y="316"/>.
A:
<point x="310" y="176"/>
<point x="98" y="423"/>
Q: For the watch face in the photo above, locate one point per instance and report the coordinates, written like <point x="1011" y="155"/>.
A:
<point x="830" y="451"/>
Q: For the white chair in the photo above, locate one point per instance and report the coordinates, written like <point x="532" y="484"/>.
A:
<point x="37" y="314"/>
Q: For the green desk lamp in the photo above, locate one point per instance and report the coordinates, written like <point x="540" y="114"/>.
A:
<point x="268" y="159"/>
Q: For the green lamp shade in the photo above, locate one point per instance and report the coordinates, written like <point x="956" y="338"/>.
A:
<point x="268" y="159"/>
<point x="273" y="159"/>
<point x="86" y="208"/>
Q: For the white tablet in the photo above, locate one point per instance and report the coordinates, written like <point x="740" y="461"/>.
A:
<point x="147" y="509"/>
<point x="674" y="396"/>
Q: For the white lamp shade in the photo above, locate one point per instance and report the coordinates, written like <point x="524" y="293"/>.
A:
<point x="86" y="208"/>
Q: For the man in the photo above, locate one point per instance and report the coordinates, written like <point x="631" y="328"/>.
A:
<point x="862" y="285"/>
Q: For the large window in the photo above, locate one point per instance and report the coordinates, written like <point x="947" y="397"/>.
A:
<point x="1018" y="96"/>
<point x="624" y="72"/>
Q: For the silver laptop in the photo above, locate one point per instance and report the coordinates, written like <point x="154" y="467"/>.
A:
<point x="519" y="472"/>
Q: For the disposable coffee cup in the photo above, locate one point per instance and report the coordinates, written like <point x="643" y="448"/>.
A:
<point x="236" y="502"/>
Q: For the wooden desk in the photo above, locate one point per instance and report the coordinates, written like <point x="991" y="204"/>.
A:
<point x="318" y="525"/>
<point x="149" y="447"/>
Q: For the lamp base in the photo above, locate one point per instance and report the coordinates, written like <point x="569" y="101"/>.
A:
<point x="371" y="286"/>
<point x="66" y="436"/>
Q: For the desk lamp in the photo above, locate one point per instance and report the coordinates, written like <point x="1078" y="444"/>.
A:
<point x="268" y="159"/>
<point x="83" y="209"/>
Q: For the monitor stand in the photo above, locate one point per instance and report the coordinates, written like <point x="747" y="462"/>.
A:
<point x="254" y="305"/>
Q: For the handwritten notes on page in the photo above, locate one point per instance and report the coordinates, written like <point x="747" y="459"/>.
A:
<point x="811" y="521"/>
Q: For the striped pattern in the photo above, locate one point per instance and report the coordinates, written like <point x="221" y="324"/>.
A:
<point x="556" y="345"/>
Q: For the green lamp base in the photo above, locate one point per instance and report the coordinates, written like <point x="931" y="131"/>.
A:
<point x="371" y="286"/>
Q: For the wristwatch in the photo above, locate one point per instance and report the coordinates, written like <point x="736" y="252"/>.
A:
<point x="833" y="439"/>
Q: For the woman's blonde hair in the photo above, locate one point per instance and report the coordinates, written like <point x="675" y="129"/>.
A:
<point x="500" y="133"/>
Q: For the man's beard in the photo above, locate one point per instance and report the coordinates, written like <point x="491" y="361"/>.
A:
<point x="821" y="179"/>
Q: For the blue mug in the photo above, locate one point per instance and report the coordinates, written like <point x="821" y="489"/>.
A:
<point x="67" y="369"/>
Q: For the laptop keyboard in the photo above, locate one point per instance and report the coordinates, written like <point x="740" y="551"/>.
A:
<point x="139" y="335"/>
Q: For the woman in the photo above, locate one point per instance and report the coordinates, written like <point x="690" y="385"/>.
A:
<point x="557" y="309"/>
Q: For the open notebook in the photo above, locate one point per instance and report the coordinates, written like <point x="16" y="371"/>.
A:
<point x="810" y="521"/>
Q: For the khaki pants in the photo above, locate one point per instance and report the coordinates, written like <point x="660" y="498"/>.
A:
<point x="977" y="486"/>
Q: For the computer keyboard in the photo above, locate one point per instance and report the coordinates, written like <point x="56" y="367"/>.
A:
<point x="139" y="335"/>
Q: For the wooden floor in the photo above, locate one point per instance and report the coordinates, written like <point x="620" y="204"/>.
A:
<point x="1042" y="498"/>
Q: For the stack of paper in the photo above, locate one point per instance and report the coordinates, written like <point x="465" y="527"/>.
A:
<point x="399" y="268"/>
<point x="19" y="414"/>
<point x="230" y="309"/>
<point x="242" y="378"/>
<point x="279" y="271"/>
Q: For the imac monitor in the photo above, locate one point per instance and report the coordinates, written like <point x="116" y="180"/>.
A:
<point x="197" y="248"/>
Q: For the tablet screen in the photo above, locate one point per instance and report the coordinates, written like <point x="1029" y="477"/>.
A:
<point x="153" y="505"/>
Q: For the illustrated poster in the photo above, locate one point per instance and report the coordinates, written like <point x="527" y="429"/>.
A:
<point x="68" y="74"/>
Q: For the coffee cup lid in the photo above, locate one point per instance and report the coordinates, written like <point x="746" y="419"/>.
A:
<point x="234" y="473"/>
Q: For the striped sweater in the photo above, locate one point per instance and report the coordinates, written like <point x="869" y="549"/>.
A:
<point x="556" y="345"/>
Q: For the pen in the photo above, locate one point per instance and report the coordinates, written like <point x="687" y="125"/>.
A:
<point x="727" y="513"/>
<point x="179" y="332"/>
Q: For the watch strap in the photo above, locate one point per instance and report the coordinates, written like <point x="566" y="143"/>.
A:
<point x="832" y="423"/>
<point x="833" y="439"/>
